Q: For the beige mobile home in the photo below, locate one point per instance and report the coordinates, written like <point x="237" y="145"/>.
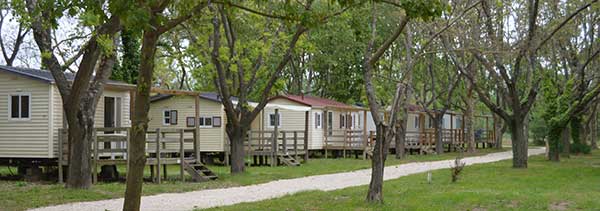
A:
<point x="178" y="112"/>
<point x="31" y="113"/>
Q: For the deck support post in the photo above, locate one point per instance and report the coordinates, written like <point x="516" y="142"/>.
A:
<point x="306" y="117"/>
<point x="181" y="155"/>
<point x="275" y="141"/>
<point x="60" y="155"/>
<point x="157" y="155"/>
<point x="325" y="130"/>
<point x="95" y="165"/>
<point x="197" y="127"/>
<point x="296" y="145"/>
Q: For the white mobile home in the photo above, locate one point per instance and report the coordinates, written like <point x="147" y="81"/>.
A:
<point x="326" y="117"/>
<point x="31" y="112"/>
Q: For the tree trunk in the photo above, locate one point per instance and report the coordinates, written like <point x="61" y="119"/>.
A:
<point x="401" y="138"/>
<point x="81" y="130"/>
<point x="439" y="144"/>
<point x="236" y="138"/>
<point x="469" y="125"/>
<point x="137" y="146"/>
<point x="594" y="130"/>
<point x="375" y="194"/>
<point x="500" y="128"/>
<point x="519" y="144"/>
<point x="566" y="141"/>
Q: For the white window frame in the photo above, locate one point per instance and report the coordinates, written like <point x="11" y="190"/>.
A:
<point x="278" y="120"/>
<point x="319" y="118"/>
<point x="204" y="118"/>
<point x="10" y="106"/>
<point x="164" y="122"/>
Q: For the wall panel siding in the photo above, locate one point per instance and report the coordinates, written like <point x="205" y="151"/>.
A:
<point x="98" y="117"/>
<point x="211" y="138"/>
<point x="27" y="138"/>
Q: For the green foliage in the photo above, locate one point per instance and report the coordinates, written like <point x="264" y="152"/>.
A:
<point x="128" y="70"/>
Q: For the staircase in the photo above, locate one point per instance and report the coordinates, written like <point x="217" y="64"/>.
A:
<point x="199" y="171"/>
<point x="288" y="160"/>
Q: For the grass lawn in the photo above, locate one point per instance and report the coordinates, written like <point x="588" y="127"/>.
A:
<point x="18" y="195"/>
<point x="572" y="184"/>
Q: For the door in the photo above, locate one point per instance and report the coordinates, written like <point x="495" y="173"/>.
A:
<point x="109" y="116"/>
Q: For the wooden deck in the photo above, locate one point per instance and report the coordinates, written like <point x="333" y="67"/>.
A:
<point x="110" y="147"/>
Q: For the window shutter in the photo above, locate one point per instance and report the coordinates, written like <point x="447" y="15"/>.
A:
<point x="348" y="121"/>
<point x="316" y="120"/>
<point x="190" y="122"/>
<point x="216" y="121"/>
<point x="173" y="117"/>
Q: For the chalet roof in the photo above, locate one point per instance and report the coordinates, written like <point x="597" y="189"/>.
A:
<point x="211" y="96"/>
<point x="46" y="76"/>
<point x="313" y="101"/>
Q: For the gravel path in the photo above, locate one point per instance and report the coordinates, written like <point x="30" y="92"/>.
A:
<point x="252" y="193"/>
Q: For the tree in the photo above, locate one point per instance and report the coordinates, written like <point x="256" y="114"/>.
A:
<point x="372" y="55"/>
<point x="518" y="74"/>
<point x="80" y="97"/>
<point x="10" y="49"/>
<point x="154" y="22"/>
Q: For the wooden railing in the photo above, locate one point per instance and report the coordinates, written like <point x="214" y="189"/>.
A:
<point x="290" y="142"/>
<point x="110" y="147"/>
<point x="345" y="139"/>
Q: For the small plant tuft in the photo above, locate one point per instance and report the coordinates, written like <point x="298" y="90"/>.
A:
<point x="458" y="166"/>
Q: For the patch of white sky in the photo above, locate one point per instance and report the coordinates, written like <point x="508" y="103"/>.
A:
<point x="68" y="38"/>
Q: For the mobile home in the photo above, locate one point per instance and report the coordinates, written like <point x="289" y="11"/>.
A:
<point x="31" y="113"/>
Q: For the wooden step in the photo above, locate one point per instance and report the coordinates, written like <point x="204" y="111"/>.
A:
<point x="289" y="160"/>
<point x="199" y="171"/>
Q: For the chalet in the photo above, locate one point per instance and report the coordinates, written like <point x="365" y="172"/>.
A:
<point x="31" y="112"/>
<point x="178" y="112"/>
<point x="332" y="125"/>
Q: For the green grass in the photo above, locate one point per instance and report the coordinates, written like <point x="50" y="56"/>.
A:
<point x="572" y="184"/>
<point x="18" y="195"/>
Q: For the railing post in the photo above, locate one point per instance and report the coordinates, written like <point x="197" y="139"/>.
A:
<point x="274" y="148"/>
<point x="181" y="154"/>
<point x="60" y="155"/>
<point x="305" y="137"/>
<point x="157" y="155"/>
<point x="275" y="139"/>
<point x="127" y="141"/>
<point x="345" y="142"/>
<point x="95" y="166"/>
<point x="296" y="145"/>
<point x="284" y="142"/>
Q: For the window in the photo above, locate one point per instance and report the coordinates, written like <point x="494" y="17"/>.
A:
<point x="216" y="121"/>
<point x="318" y="120"/>
<point x="273" y="119"/>
<point x="20" y="106"/>
<point x="204" y="121"/>
<point x="170" y="117"/>
<point x="431" y="121"/>
<point x="417" y="123"/>
<point x="342" y="121"/>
